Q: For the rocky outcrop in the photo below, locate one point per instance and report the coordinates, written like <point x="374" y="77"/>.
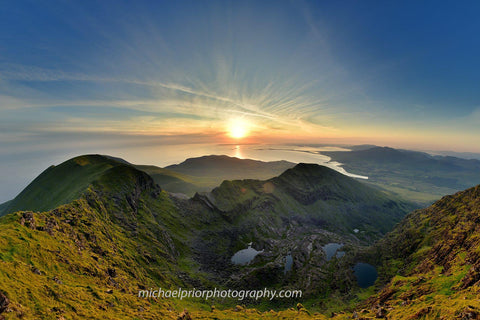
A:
<point x="4" y="302"/>
<point x="28" y="220"/>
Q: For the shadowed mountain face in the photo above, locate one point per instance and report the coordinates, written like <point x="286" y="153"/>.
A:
<point x="416" y="176"/>
<point x="118" y="231"/>
<point x="312" y="191"/>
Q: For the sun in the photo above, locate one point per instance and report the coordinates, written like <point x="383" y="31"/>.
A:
<point x="238" y="129"/>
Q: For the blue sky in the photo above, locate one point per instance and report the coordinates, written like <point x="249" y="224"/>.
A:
<point x="85" y="75"/>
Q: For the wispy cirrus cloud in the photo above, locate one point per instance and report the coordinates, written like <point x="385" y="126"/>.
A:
<point x="275" y="105"/>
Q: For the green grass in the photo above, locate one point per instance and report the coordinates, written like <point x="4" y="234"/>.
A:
<point x="61" y="184"/>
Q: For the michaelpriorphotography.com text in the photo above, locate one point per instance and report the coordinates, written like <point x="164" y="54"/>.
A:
<point x="219" y="293"/>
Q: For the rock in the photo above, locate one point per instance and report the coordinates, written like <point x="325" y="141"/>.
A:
<point x="4" y="302"/>
<point x="300" y="306"/>
<point x="354" y="315"/>
<point x="421" y="313"/>
<point x="57" y="280"/>
<point x="238" y="308"/>
<point x="50" y="225"/>
<point x="109" y="291"/>
<point x="184" y="315"/>
<point x="28" y="220"/>
<point x="469" y="313"/>
<point x="381" y="313"/>
<point x="36" y="271"/>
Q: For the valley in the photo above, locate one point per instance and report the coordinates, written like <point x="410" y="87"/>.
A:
<point x="107" y="229"/>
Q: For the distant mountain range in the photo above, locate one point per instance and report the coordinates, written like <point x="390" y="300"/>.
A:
<point x="205" y="173"/>
<point x="412" y="175"/>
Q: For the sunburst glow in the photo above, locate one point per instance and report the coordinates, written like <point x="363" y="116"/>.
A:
<point x="238" y="129"/>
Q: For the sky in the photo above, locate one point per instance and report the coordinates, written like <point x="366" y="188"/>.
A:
<point x="93" y="76"/>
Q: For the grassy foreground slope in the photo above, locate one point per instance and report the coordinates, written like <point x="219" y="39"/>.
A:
<point x="87" y="259"/>
<point x="431" y="262"/>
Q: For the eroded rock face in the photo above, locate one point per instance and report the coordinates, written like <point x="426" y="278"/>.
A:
<point x="28" y="220"/>
<point x="4" y="302"/>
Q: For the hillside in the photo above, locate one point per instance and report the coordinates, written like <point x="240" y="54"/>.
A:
<point x="295" y="214"/>
<point x="343" y="203"/>
<point x="413" y="175"/>
<point x="430" y="262"/>
<point x="61" y="184"/>
<point x="88" y="258"/>
<point x="122" y="232"/>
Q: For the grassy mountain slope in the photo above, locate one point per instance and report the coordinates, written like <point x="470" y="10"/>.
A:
<point x="61" y="184"/>
<point x="205" y="173"/>
<point x="431" y="262"/>
<point x="337" y="202"/>
<point x="416" y="176"/>
<point x="88" y="259"/>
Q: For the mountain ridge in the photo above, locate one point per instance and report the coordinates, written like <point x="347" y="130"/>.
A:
<point x="124" y="221"/>
<point x="60" y="184"/>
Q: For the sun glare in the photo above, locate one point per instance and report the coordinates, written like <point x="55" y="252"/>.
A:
<point x="237" y="129"/>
